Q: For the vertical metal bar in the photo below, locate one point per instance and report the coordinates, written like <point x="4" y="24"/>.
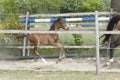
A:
<point x="25" y="39"/>
<point x="108" y="43"/>
<point x="97" y="43"/>
<point x="28" y="49"/>
<point x="111" y="13"/>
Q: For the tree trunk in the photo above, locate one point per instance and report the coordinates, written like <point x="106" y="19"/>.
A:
<point x="115" y="5"/>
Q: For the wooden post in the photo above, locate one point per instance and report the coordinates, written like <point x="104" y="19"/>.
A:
<point x="97" y="43"/>
<point x="25" y="39"/>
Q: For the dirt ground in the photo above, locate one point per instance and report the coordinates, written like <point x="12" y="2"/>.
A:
<point x="68" y="64"/>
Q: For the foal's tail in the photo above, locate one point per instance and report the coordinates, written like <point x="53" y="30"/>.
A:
<point x="110" y="27"/>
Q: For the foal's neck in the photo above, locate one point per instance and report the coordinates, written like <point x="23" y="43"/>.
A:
<point x="53" y="29"/>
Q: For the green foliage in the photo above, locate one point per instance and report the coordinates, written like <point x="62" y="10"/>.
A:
<point x="78" y="39"/>
<point x="106" y="5"/>
<point x="48" y="51"/>
<point x="82" y="5"/>
<point x="10" y="23"/>
<point x="39" y="6"/>
<point x="92" y="5"/>
<point x="8" y="6"/>
<point x="53" y="6"/>
<point x="72" y="6"/>
<point x="33" y="6"/>
<point x="8" y="19"/>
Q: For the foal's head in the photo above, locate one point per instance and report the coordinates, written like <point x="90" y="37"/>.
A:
<point x="59" y="23"/>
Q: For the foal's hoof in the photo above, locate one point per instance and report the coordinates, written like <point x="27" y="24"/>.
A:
<point x="107" y="64"/>
<point x="58" y="61"/>
<point x="35" y="60"/>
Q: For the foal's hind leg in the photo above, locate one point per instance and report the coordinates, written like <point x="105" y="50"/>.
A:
<point x="36" y="55"/>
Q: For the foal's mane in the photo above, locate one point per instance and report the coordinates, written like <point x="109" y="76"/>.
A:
<point x="53" y="24"/>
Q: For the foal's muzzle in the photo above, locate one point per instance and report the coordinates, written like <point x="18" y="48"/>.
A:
<point x="67" y="29"/>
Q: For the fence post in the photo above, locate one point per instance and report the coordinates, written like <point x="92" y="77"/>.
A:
<point x="25" y="39"/>
<point x="97" y="43"/>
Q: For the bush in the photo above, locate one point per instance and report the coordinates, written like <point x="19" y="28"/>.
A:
<point x="78" y="41"/>
<point x="9" y="22"/>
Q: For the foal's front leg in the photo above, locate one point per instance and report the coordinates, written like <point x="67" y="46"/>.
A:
<point x="113" y="45"/>
<point x="36" y="54"/>
<point x="111" y="60"/>
<point x="62" y="53"/>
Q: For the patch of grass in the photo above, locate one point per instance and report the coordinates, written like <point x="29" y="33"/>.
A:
<point x="55" y="75"/>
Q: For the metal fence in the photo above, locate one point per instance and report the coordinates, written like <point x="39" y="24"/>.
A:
<point x="96" y="32"/>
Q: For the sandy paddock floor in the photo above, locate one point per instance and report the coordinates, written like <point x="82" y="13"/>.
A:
<point x="68" y="64"/>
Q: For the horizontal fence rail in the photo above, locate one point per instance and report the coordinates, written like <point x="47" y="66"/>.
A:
<point x="66" y="19"/>
<point x="46" y="47"/>
<point x="46" y="32"/>
<point x="67" y="14"/>
<point x="58" y="32"/>
<point x="28" y="47"/>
